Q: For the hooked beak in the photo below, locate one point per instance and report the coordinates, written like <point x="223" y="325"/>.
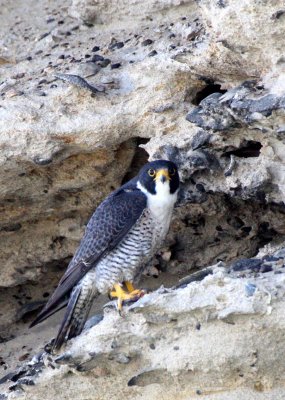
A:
<point x="162" y="175"/>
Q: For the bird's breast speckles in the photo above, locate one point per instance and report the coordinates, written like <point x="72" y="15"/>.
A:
<point x="127" y="260"/>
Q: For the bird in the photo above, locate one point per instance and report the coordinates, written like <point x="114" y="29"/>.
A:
<point x="121" y="237"/>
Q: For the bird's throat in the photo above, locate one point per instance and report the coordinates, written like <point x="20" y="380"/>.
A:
<point x="161" y="203"/>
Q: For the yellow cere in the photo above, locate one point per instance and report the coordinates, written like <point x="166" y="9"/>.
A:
<point x="162" y="172"/>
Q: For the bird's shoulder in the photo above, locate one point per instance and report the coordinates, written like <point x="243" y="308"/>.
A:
<point x="125" y="203"/>
<point x="110" y="222"/>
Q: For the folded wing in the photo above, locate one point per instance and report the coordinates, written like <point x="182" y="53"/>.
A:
<point x="109" y="224"/>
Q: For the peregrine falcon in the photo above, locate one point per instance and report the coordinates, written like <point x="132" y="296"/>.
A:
<point x="121" y="237"/>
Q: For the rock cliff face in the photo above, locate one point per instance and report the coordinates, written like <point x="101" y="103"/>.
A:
<point x="90" y="90"/>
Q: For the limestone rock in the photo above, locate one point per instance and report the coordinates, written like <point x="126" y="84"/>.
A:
<point x="200" y="83"/>
<point x="60" y="144"/>
<point x="106" y="12"/>
<point x="220" y="335"/>
<point x="240" y="35"/>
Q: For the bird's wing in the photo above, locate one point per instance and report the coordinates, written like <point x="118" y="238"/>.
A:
<point x="112" y="220"/>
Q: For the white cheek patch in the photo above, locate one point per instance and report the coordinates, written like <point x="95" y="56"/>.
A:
<point x="161" y="203"/>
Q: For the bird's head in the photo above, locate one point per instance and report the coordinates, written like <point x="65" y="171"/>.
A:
<point x="159" y="177"/>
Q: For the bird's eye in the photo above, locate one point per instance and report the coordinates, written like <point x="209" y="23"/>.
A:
<point x="151" y="172"/>
<point x="172" y="171"/>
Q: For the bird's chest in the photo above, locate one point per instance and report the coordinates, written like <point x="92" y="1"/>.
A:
<point x="136" y="249"/>
<point x="154" y="225"/>
<point x="159" y="225"/>
<point x="148" y="233"/>
<point x="160" y="216"/>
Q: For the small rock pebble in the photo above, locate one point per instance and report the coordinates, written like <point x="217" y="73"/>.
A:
<point x="97" y="57"/>
<point x="147" y="42"/>
<point x="116" y="45"/>
<point x="116" y="65"/>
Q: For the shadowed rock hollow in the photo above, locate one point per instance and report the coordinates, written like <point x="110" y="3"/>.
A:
<point x="200" y="83"/>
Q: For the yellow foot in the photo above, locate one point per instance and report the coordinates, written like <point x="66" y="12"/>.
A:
<point x="129" y="286"/>
<point x="119" y="293"/>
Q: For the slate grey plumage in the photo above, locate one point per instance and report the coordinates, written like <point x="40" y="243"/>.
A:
<point x="121" y="237"/>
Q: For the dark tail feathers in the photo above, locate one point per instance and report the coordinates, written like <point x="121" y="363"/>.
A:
<point x="47" y="312"/>
<point x="75" y="316"/>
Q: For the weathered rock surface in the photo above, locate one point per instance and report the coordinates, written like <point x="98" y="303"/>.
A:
<point x="208" y="338"/>
<point x="200" y="83"/>
<point x="62" y="143"/>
